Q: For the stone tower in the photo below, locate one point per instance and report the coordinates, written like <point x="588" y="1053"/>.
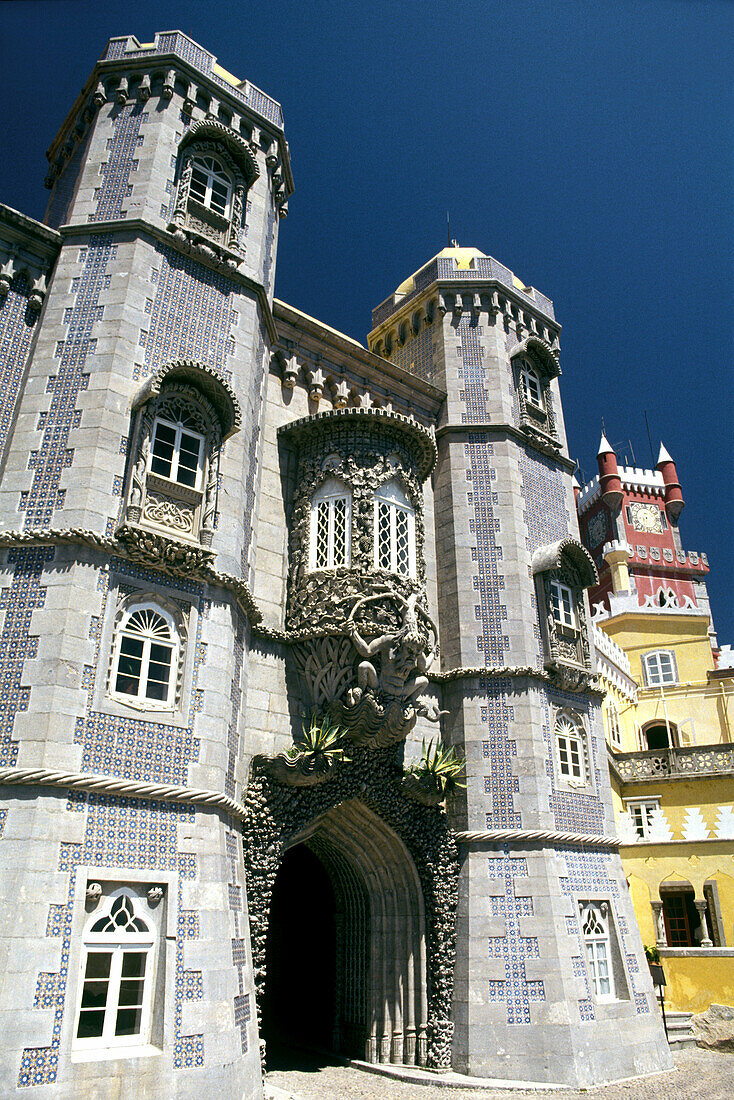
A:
<point x="540" y="871"/>
<point x="131" y="434"/>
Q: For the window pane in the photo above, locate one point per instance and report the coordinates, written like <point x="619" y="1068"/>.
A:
<point x="133" y="964"/>
<point x="322" y="535"/>
<point x="90" y="1024"/>
<point x="402" y="554"/>
<point x="340" y="531"/>
<point x="197" y="187"/>
<point x="98" y="964"/>
<point x="383" y="535"/>
<point x="131" y="993"/>
<point x="128" y="666"/>
<point x="220" y="194"/>
<point x="128" y="1021"/>
<point x="164" y="444"/>
<point x="94" y="994"/>
<point x="188" y="459"/>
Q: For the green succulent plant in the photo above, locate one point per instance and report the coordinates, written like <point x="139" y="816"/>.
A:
<point x="441" y="765"/>
<point x="321" y="743"/>
<point x="652" y="953"/>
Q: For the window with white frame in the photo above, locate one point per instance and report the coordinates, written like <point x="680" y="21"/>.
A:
<point x="640" y="811"/>
<point x="116" y="978"/>
<point x="563" y="605"/>
<point x="613" y="728"/>
<point x="571" y="749"/>
<point x="331" y="522"/>
<point x="146" y="652"/>
<point x="531" y="387"/>
<point x="394" y="530"/>
<point x="177" y="451"/>
<point x="595" y="930"/>
<point x="659" y="668"/>
<point x="211" y="185"/>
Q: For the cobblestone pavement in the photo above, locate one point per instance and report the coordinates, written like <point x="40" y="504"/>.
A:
<point x="699" y="1075"/>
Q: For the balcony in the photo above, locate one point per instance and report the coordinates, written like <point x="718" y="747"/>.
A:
<point x="688" y="763"/>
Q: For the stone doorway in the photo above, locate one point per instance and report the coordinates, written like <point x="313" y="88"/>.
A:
<point x="346" y="951"/>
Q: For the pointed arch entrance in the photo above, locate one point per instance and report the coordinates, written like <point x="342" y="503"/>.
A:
<point x="346" y="950"/>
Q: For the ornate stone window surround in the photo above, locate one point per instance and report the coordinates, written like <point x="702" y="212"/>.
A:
<point x="195" y="218"/>
<point x="534" y="366"/>
<point x="117" y="974"/>
<point x="571" y="742"/>
<point x="155" y="900"/>
<point x="562" y="571"/>
<point x="180" y="614"/>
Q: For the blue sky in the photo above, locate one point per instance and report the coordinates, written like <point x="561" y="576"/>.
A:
<point x="586" y="145"/>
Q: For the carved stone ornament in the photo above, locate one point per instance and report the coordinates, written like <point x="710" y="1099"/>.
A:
<point x="158" y="551"/>
<point x="297" y="770"/>
<point x="422" y="789"/>
<point x="94" y="891"/>
<point x="155" y="895"/>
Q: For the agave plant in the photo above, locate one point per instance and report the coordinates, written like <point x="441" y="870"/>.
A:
<point x="320" y="744"/>
<point x="441" y="766"/>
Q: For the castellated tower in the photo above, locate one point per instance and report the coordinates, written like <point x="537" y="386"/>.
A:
<point x="541" y="875"/>
<point x="131" y="435"/>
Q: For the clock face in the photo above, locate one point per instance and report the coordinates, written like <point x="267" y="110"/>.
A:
<point x="646" y="517"/>
<point x="598" y="528"/>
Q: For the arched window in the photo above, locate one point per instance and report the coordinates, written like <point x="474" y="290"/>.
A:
<point x="660" y="735"/>
<point x="596" y="932"/>
<point x="177" y="450"/>
<point x="211" y="185"/>
<point x="331" y="523"/>
<point x="531" y="387"/>
<point x="394" y="530"/>
<point x="659" y="668"/>
<point x="571" y="749"/>
<point x="117" y="970"/>
<point x="145" y="662"/>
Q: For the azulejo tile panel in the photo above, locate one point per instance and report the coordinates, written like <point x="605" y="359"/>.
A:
<point x="17" y="325"/>
<point x="513" y="948"/>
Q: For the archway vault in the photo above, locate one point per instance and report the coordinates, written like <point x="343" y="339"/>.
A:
<point x="382" y="1009"/>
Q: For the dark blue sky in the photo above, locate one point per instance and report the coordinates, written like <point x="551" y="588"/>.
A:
<point x="588" y="146"/>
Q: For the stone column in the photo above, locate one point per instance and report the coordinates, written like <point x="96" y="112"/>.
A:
<point x="701" y="907"/>
<point x="657" y="911"/>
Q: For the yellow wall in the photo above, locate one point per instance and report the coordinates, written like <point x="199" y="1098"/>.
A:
<point x="695" y="982"/>
<point x="709" y="793"/>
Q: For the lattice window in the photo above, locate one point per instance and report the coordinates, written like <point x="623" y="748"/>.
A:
<point x="595" y="930"/>
<point x="146" y="655"/>
<point x="116" y="979"/>
<point x="394" y="531"/>
<point x="331" y="526"/>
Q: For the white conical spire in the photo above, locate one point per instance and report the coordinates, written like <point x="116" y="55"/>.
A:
<point x="664" y="456"/>
<point x="605" y="446"/>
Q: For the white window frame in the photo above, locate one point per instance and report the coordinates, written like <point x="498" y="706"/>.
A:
<point x="640" y="811"/>
<point x="180" y="429"/>
<point x="570" y="733"/>
<point x="331" y="492"/>
<point x="148" y="639"/>
<point x="563" y="606"/>
<point x="117" y="943"/>
<point x="530" y="380"/>
<point x="613" y="728"/>
<point x="211" y="174"/>
<point x="598" y="947"/>
<point x="392" y="497"/>
<point x="652" y="668"/>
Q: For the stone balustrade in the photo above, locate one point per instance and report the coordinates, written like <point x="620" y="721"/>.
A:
<point x="674" y="763"/>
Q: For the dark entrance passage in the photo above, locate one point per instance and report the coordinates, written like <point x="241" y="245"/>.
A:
<point x="299" y="1007"/>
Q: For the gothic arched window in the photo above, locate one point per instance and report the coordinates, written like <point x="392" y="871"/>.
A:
<point x="394" y="530"/>
<point x="146" y="656"/>
<point x="117" y="971"/>
<point x="331" y="523"/>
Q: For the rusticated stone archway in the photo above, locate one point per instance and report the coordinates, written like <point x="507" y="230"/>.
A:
<point x="393" y="865"/>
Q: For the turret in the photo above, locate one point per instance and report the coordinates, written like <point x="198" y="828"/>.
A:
<point x="611" y="485"/>
<point x="674" y="502"/>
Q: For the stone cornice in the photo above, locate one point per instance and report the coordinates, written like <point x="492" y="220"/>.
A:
<point x="17" y="228"/>
<point x="130" y="225"/>
<point x="320" y="339"/>
<point x="499" y="430"/>
<point x="546" y="838"/>
<point x="167" y="555"/>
